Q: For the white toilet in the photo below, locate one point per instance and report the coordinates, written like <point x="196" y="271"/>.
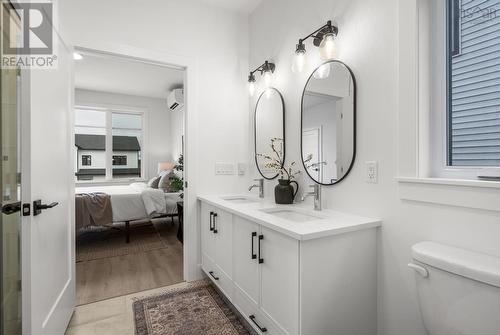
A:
<point x="458" y="290"/>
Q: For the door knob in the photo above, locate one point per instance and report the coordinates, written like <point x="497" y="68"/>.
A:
<point x="38" y="206"/>
<point x="9" y="209"/>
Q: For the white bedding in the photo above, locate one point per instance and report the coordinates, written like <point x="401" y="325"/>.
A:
<point x="135" y="201"/>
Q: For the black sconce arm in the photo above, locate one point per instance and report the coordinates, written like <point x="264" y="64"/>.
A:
<point x="319" y="33"/>
<point x="264" y="67"/>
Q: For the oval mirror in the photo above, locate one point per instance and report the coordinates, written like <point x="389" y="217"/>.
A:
<point x="329" y="123"/>
<point x="269" y="132"/>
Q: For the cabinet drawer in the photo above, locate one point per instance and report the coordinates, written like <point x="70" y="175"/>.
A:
<point x="247" y="307"/>
<point x="219" y="278"/>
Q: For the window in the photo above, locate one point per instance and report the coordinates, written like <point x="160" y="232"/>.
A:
<point x="119" y="160"/>
<point x="90" y="132"/>
<point x="473" y="84"/>
<point x="86" y="160"/>
<point x="108" y="144"/>
<point x="127" y="141"/>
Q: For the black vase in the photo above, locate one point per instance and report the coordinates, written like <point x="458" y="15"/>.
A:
<point x="284" y="193"/>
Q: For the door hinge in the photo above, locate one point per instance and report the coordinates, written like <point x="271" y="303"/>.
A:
<point x="185" y="184"/>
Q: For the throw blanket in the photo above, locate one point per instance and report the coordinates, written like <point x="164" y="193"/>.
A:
<point x="154" y="201"/>
<point x="93" y="209"/>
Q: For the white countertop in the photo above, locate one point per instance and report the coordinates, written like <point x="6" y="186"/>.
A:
<point x="328" y="223"/>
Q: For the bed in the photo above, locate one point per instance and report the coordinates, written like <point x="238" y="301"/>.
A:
<point x="130" y="202"/>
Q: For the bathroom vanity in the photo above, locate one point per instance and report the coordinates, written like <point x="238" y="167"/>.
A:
<point x="289" y="269"/>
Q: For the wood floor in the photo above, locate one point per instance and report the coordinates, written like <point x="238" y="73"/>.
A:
<point x="121" y="275"/>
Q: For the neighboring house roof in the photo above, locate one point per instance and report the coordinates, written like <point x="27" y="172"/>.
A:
<point x="98" y="142"/>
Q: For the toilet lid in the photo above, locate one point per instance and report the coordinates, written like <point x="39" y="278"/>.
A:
<point x="474" y="265"/>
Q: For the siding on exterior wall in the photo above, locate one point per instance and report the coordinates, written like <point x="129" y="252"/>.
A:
<point x="475" y="86"/>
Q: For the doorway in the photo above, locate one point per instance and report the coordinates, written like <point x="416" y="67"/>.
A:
<point x="129" y="134"/>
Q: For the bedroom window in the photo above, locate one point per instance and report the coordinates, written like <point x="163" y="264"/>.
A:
<point x="108" y="144"/>
<point x="127" y="141"/>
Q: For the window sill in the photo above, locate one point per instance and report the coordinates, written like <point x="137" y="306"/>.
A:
<point x="477" y="194"/>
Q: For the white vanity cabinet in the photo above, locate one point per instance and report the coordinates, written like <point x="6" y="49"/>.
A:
<point x="285" y="283"/>
<point x="265" y="276"/>
<point x="216" y="246"/>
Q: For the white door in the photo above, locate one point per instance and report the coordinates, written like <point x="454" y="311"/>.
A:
<point x="280" y="279"/>
<point x="48" y="239"/>
<point x="311" y="145"/>
<point x="246" y="264"/>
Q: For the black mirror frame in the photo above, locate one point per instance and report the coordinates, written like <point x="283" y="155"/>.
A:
<point x="354" y="122"/>
<point x="255" y="132"/>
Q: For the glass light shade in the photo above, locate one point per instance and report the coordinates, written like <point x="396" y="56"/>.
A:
<point x="251" y="88"/>
<point x="322" y="72"/>
<point x="268" y="76"/>
<point x="327" y="47"/>
<point x="299" y="61"/>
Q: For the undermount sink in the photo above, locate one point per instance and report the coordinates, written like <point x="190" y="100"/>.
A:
<point x="291" y="214"/>
<point x="240" y="199"/>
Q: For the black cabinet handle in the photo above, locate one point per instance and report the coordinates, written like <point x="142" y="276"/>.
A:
<point x="213" y="276"/>
<point x="254" y="234"/>
<point x="262" y="329"/>
<point x="215" y="222"/>
<point x="211" y="218"/>
<point x="261" y="260"/>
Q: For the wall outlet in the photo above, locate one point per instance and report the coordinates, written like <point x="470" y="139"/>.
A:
<point x="372" y="172"/>
<point x="225" y="169"/>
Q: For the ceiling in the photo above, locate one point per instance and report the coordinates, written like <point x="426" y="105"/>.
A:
<point x="242" y="6"/>
<point x="123" y="76"/>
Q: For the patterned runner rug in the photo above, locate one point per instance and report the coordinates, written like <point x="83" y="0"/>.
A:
<point x="193" y="310"/>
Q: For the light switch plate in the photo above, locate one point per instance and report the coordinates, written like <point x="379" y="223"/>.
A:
<point x="225" y="169"/>
<point x="372" y="172"/>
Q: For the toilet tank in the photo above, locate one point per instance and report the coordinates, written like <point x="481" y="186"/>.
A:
<point x="458" y="290"/>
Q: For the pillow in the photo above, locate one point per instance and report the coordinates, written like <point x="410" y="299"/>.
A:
<point x="153" y="182"/>
<point x="164" y="183"/>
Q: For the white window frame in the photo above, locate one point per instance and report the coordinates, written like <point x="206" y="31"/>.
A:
<point x="415" y="138"/>
<point x="109" y="110"/>
<point x="438" y="102"/>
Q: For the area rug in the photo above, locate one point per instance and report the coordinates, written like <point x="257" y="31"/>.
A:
<point x="101" y="243"/>
<point x="194" y="309"/>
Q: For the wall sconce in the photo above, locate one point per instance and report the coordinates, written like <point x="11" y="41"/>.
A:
<point x="324" y="38"/>
<point x="266" y="71"/>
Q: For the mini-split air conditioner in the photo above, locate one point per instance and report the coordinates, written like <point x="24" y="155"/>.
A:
<point x="175" y="99"/>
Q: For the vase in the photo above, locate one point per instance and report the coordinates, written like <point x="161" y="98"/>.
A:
<point x="284" y="192"/>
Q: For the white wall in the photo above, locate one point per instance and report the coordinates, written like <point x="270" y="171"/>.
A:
<point x="215" y="38"/>
<point x="368" y="33"/>
<point x="158" y="141"/>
